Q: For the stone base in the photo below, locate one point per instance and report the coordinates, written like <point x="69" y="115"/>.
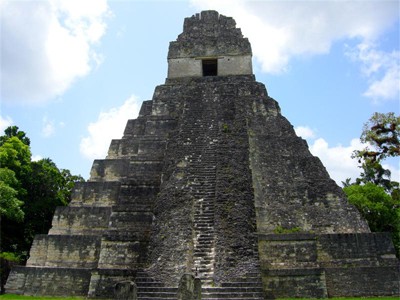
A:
<point x="33" y="281"/>
<point x="329" y="265"/>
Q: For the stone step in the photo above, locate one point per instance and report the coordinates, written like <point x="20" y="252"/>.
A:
<point x="236" y="295"/>
<point x="242" y="284"/>
<point x="204" y="244"/>
<point x="198" y="263"/>
<point x="204" y="207"/>
<point x="203" y="226"/>
<point x="205" y="235"/>
<point x="205" y="270"/>
<point x="203" y="249"/>
<point x="200" y="254"/>
<point x="206" y="226"/>
<point x="199" y="216"/>
<point x="152" y="289"/>
<point x="234" y="290"/>
<point x="156" y="295"/>
<point x="150" y="284"/>
<point x="204" y="241"/>
<point x="204" y="199"/>
<point x="246" y="279"/>
<point x="204" y="221"/>
<point x="208" y="213"/>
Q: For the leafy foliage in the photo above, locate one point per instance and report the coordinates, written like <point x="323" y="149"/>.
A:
<point x="282" y="230"/>
<point x="16" y="156"/>
<point x="381" y="134"/>
<point x="30" y="191"/>
<point x="380" y="209"/>
<point x="376" y="196"/>
<point x="7" y="261"/>
<point x="13" y="131"/>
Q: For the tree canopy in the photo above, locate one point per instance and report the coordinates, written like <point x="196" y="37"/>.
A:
<point x="30" y="191"/>
<point x="374" y="193"/>
<point x="14" y="131"/>
<point x="381" y="136"/>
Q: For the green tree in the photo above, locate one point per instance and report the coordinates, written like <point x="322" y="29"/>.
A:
<point x="29" y="192"/>
<point x="48" y="188"/>
<point x="380" y="209"/>
<point x="10" y="206"/>
<point x="381" y="134"/>
<point x="16" y="156"/>
<point x="14" y="131"/>
<point x="374" y="193"/>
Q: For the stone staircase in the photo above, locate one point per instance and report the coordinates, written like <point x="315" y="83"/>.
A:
<point x="150" y="289"/>
<point x="244" y="288"/>
<point x="203" y="240"/>
<point x="201" y="132"/>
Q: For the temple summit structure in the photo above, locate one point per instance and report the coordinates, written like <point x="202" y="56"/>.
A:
<point x="209" y="194"/>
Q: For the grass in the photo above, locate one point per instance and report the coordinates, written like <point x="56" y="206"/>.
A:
<point x="17" y="297"/>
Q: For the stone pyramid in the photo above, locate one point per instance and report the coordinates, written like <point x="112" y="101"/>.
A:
<point x="202" y="184"/>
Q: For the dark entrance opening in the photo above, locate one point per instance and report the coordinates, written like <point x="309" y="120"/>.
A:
<point x="210" y="67"/>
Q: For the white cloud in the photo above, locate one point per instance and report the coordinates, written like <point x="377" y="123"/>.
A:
<point x="48" y="128"/>
<point x="305" y="132"/>
<point x="4" y="123"/>
<point x="281" y="30"/>
<point x="337" y="159"/>
<point x="47" y="45"/>
<point x="381" y="68"/>
<point x="109" y="125"/>
<point x="395" y="171"/>
<point x="36" y="157"/>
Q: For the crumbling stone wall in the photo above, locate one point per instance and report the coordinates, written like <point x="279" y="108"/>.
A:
<point x="329" y="265"/>
<point x="209" y="35"/>
<point x="292" y="187"/>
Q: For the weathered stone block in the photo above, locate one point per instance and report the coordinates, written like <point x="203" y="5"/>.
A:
<point x="125" y="290"/>
<point x="351" y="250"/>
<point x="363" y="281"/>
<point x="131" y="221"/>
<point x="109" y="170"/>
<point x="65" y="251"/>
<point x="85" y="220"/>
<point x="49" y="281"/>
<point x="189" y="288"/>
<point x="288" y="251"/>
<point x="295" y="283"/>
<point x="120" y="255"/>
<point x="103" y="282"/>
<point x="135" y="127"/>
<point x="137" y="198"/>
<point x="95" y="193"/>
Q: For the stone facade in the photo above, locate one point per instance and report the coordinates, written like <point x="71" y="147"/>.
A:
<point x="199" y="184"/>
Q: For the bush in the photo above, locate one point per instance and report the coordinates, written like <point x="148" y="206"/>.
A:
<point x="7" y="261"/>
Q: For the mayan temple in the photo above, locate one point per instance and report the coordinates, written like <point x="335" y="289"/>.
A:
<point x="209" y="194"/>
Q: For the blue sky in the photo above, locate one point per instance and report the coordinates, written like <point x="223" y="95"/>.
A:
<point x="73" y="72"/>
